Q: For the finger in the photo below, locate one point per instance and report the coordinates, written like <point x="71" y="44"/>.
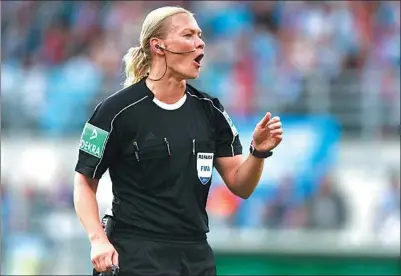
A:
<point x="279" y="138"/>
<point x="102" y="264"/>
<point x="276" y="132"/>
<point x="275" y="119"/>
<point x="108" y="262"/>
<point x="96" y="265"/>
<point x="275" y="125"/>
<point x="115" y="258"/>
<point x="265" y="119"/>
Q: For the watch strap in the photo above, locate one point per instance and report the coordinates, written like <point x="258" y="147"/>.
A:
<point x="259" y="154"/>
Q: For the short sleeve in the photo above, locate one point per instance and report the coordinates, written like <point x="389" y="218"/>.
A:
<point x="228" y="141"/>
<point x="98" y="146"/>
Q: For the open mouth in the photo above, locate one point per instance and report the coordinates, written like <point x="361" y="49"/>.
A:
<point x="199" y="58"/>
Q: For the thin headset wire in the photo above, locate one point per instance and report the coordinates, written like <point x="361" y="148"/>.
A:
<point x="165" y="62"/>
<point x="165" y="71"/>
<point x="190" y="126"/>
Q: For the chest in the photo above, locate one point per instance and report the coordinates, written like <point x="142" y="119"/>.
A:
<point x="162" y="149"/>
<point x="178" y="130"/>
<point x="153" y="133"/>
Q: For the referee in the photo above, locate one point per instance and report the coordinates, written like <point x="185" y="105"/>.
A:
<point x="160" y="139"/>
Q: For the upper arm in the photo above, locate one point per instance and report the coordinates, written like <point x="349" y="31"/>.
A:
<point x="81" y="179"/>
<point x="227" y="167"/>
<point x="98" y="145"/>
<point x="228" y="146"/>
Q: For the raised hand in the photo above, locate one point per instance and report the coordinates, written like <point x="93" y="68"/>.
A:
<point x="268" y="133"/>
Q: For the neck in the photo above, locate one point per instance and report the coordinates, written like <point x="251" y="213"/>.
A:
<point x="169" y="89"/>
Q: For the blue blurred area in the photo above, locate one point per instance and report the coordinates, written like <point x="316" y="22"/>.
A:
<point x="305" y="157"/>
<point x="60" y="58"/>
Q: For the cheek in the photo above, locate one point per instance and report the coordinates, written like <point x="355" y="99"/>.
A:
<point x="181" y="62"/>
<point x="185" y="44"/>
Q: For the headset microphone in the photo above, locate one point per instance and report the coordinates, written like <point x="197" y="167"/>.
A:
<point x="178" y="53"/>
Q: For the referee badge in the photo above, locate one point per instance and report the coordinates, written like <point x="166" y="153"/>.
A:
<point x="204" y="164"/>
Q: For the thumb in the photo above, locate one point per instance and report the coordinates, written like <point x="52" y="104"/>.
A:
<point x="115" y="258"/>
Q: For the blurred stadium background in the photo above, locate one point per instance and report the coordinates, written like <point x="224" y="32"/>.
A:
<point x="329" y="200"/>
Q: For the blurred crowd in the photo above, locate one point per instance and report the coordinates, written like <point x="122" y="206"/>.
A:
<point x="59" y="58"/>
<point x="327" y="209"/>
<point x="342" y="58"/>
<point x="51" y="240"/>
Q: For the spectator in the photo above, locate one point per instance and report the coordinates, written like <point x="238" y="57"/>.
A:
<point x="286" y="211"/>
<point x="327" y="209"/>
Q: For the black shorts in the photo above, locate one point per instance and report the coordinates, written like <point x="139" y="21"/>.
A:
<point x="141" y="257"/>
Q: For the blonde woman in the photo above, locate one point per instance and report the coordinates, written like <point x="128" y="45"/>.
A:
<point x="160" y="139"/>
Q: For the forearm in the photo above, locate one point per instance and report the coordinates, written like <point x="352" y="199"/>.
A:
<point x="247" y="176"/>
<point x="87" y="208"/>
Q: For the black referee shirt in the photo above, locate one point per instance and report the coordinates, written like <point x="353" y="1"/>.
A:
<point x="160" y="159"/>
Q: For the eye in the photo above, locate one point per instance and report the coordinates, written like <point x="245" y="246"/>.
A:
<point x="188" y="35"/>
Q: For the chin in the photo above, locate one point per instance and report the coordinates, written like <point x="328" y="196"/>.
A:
<point x="190" y="76"/>
<point x="194" y="74"/>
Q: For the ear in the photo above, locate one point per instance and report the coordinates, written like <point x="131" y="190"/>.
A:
<point x="154" y="43"/>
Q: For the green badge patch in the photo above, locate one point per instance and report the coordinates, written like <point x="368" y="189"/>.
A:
<point x="93" y="140"/>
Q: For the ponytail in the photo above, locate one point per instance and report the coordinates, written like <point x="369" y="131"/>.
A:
<point x="136" y="65"/>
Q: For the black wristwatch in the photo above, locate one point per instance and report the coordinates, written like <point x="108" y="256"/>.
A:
<point x="259" y="154"/>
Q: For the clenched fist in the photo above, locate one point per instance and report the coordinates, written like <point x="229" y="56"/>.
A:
<point x="103" y="256"/>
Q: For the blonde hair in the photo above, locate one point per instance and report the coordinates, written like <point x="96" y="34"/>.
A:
<point x="137" y="59"/>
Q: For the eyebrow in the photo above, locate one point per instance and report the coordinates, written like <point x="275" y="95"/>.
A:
<point x="192" y="30"/>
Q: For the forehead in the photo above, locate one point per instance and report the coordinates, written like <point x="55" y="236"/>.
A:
<point x="182" y="21"/>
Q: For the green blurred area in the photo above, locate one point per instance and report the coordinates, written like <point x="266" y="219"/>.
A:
<point x="258" y="264"/>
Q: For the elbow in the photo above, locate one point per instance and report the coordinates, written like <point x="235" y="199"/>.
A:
<point x="244" y="195"/>
<point x="242" y="191"/>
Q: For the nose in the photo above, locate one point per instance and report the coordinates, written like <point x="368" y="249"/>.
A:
<point x="200" y="44"/>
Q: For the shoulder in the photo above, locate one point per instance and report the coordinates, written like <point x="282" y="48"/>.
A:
<point x="205" y="98"/>
<point x="118" y="102"/>
<point x="215" y="107"/>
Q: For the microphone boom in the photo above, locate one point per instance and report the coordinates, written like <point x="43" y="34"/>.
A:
<point x="177" y="53"/>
